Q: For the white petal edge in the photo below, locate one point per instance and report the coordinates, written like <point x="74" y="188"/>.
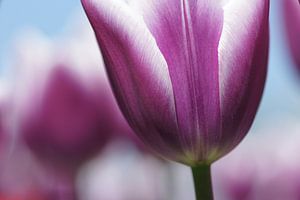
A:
<point x="130" y="20"/>
<point x="238" y="17"/>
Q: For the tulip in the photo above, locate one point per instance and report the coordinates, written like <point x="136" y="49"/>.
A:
<point x="65" y="115"/>
<point x="64" y="107"/>
<point x="188" y="75"/>
<point x="291" y="11"/>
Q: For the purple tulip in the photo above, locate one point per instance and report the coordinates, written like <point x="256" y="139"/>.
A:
<point x="291" y="11"/>
<point x="65" y="109"/>
<point x="188" y="75"/>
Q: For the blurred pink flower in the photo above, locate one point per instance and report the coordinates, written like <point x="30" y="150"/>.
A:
<point x="64" y="107"/>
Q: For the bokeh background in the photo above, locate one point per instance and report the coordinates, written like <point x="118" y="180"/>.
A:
<point x="266" y="165"/>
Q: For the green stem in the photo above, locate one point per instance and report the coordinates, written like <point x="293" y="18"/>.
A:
<point x="202" y="182"/>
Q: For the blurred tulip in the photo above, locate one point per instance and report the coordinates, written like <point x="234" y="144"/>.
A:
<point x="190" y="91"/>
<point x="291" y="11"/>
<point x="64" y="110"/>
<point x="64" y="107"/>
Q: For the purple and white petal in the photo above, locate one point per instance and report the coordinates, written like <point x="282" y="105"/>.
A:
<point x="187" y="33"/>
<point x="137" y="70"/>
<point x="243" y="56"/>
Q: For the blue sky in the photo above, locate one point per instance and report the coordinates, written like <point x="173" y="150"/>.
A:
<point x="282" y="94"/>
<point x="48" y="16"/>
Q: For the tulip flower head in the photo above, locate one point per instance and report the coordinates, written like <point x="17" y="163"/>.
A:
<point x="188" y="75"/>
<point x="291" y="11"/>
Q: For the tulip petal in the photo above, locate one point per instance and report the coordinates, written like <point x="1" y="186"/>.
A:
<point x="138" y="72"/>
<point x="243" y="55"/>
<point x="188" y="33"/>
